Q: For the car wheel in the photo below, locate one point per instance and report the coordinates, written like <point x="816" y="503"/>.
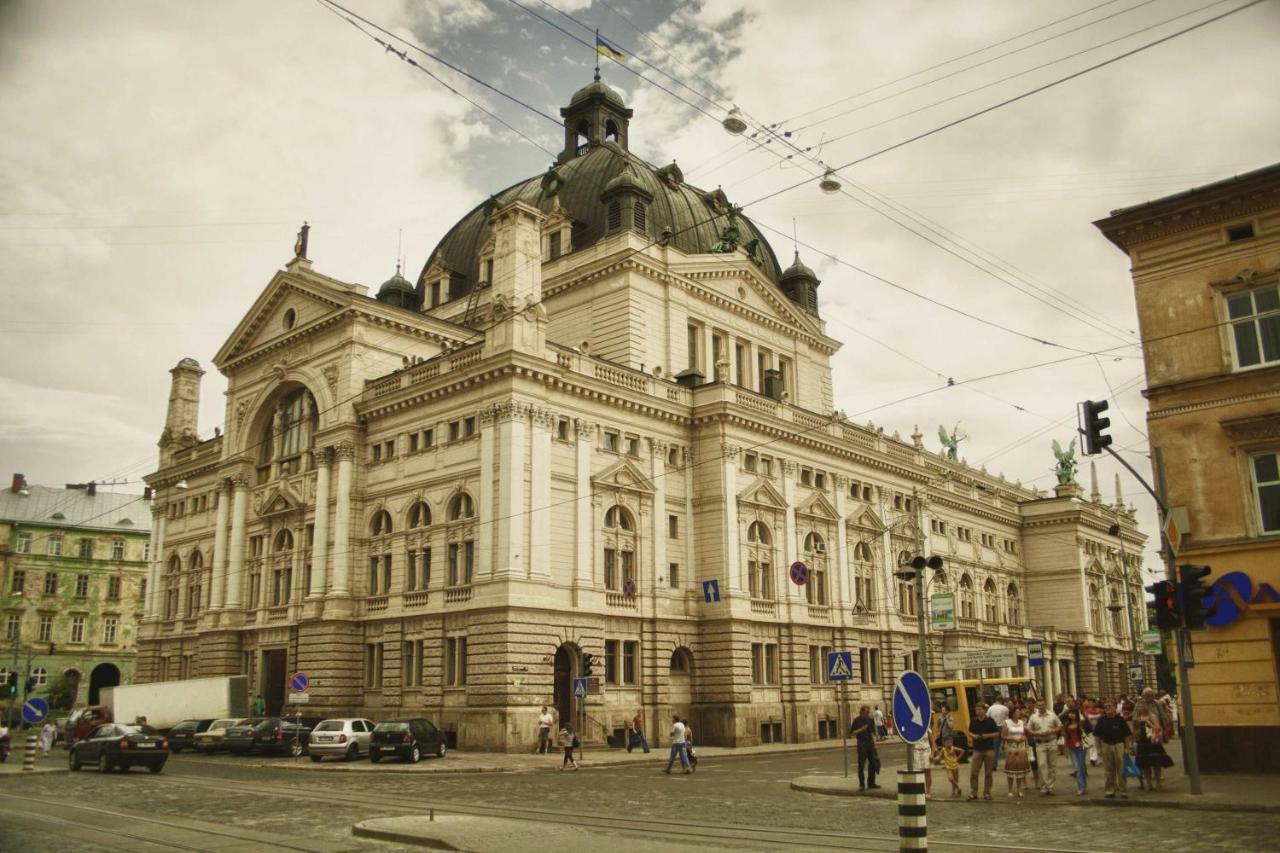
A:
<point x="414" y="754"/>
<point x="317" y="758"/>
<point x="375" y="757"/>
<point x="353" y="752"/>
<point x="295" y="748"/>
<point x="104" y="765"/>
<point x="440" y="750"/>
<point x="123" y="768"/>
<point x="74" y="761"/>
<point x="155" y="768"/>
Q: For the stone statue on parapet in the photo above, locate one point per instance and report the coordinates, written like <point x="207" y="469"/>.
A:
<point x="951" y="441"/>
<point x="1066" y="469"/>
<point x="730" y="238"/>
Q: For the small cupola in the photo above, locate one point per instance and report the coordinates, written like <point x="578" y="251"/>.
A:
<point x="399" y="292"/>
<point x="596" y="114"/>
<point x="626" y="202"/>
<point x="800" y="285"/>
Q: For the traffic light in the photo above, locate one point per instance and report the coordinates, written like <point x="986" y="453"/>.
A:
<point x="31" y="685"/>
<point x="1092" y="425"/>
<point x="1165" y="606"/>
<point x="587" y="660"/>
<point x="10" y="685"/>
<point x="1192" y="593"/>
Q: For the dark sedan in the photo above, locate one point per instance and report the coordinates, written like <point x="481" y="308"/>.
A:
<point x="118" y="746"/>
<point x="182" y="736"/>
<point x="274" y="735"/>
<point x="407" y="739"/>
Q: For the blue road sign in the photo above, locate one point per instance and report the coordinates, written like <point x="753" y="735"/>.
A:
<point x="799" y="573"/>
<point x="911" y="709"/>
<point x="300" y="682"/>
<point x="1035" y="653"/>
<point x="710" y="591"/>
<point x="839" y="666"/>
<point x="34" y="710"/>
<point x="580" y="688"/>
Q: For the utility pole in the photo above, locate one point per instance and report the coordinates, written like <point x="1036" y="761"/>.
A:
<point x="923" y="665"/>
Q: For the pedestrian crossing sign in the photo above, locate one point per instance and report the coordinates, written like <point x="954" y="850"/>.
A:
<point x="839" y="666"/>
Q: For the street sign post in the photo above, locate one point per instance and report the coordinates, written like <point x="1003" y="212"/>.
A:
<point x="580" y="689"/>
<point x="300" y="682"/>
<point x="34" y="710"/>
<point x="840" y="670"/>
<point x="912" y="711"/>
<point x="980" y="659"/>
<point x="1035" y="653"/>
<point x="299" y="698"/>
<point x="942" y="611"/>
<point x="710" y="591"/>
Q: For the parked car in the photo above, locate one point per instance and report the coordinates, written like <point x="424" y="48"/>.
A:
<point x="347" y="737"/>
<point x="113" y="745"/>
<point x="274" y="735"/>
<point x="182" y="736"/>
<point x="408" y="739"/>
<point x="210" y="740"/>
<point x="84" y="720"/>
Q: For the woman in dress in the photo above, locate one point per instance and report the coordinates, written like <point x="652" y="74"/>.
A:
<point x="1149" y="752"/>
<point x="1013" y="740"/>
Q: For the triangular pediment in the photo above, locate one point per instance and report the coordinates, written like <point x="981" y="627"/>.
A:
<point x="288" y="306"/>
<point x="622" y="475"/>
<point x="279" y="500"/>
<point x="762" y="492"/>
<point x="819" y="507"/>
<point x="867" y="519"/>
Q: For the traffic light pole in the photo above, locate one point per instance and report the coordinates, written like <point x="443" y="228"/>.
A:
<point x="1189" y="752"/>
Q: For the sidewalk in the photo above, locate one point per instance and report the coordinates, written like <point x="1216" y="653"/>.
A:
<point x="54" y="762"/>
<point x="502" y="762"/>
<point x="1225" y="792"/>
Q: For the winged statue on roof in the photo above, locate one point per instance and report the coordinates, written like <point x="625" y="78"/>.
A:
<point x="951" y="441"/>
<point x="1066" y="469"/>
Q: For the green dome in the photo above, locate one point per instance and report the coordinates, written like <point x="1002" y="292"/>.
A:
<point x="398" y="290"/>
<point x="797" y="270"/>
<point x="596" y="88"/>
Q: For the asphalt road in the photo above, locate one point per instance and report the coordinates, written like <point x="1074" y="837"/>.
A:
<point x="232" y="803"/>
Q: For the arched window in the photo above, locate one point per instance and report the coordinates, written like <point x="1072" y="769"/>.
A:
<point x="990" y="605"/>
<point x="289" y="431"/>
<point x="281" y="564"/>
<point x="815" y="554"/>
<point x="195" y="565"/>
<point x="1115" y="603"/>
<point x="283" y="542"/>
<point x="966" y="597"/>
<point x="863" y="586"/>
<point x="681" y="661"/>
<point x="610" y="131"/>
<point x="380" y="525"/>
<point x="461" y="507"/>
<point x="760" y="560"/>
<point x="619" y="548"/>
<point x="582" y="136"/>
<point x="862" y="552"/>
<point x="172" y="585"/>
<point x="1013" y="609"/>
<point x="419" y="515"/>
<point x="1095" y="609"/>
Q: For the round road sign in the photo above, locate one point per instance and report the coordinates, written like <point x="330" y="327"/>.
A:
<point x="799" y="573"/>
<point x="299" y="682"/>
<point x="34" y="710"/>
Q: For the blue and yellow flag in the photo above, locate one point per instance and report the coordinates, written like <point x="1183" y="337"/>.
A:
<point x="603" y="48"/>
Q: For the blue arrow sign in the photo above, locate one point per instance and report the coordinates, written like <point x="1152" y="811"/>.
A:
<point x="580" y="688"/>
<point x="710" y="591"/>
<point x="911" y="709"/>
<point x="300" y="682"/>
<point x="1035" y="653"/>
<point x="839" y="666"/>
<point x="34" y="710"/>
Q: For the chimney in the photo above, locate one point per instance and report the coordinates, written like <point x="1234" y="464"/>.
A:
<point x="184" y="409"/>
<point x="17" y="484"/>
<point x="93" y="488"/>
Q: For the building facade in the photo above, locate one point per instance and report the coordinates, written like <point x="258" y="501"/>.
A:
<point x="74" y="579"/>
<point x="599" y="424"/>
<point x="1206" y="272"/>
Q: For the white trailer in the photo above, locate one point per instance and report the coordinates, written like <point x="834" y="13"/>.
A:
<point x="167" y="703"/>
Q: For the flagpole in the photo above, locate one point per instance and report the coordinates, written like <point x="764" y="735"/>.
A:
<point x="596" y="46"/>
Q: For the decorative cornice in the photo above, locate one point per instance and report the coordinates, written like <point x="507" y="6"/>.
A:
<point x="1201" y="405"/>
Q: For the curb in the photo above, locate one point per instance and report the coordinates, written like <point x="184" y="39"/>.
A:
<point x="360" y="830"/>
<point x="887" y="794"/>
<point x="335" y="767"/>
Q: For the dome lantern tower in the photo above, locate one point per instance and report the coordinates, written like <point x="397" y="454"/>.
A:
<point x="596" y="114"/>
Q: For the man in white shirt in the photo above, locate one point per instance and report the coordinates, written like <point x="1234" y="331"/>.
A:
<point x="998" y="712"/>
<point x="545" y="724"/>
<point x="877" y="719"/>
<point x="1043" y="729"/>
<point x="678" y="746"/>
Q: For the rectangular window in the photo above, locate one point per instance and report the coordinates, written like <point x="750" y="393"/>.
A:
<point x="117" y="549"/>
<point x="455" y="430"/>
<point x="562" y="429"/>
<point x="376" y="453"/>
<point x="461" y="561"/>
<point x="743" y="376"/>
<point x="753" y="578"/>
<point x="695" y="334"/>
<point x="717" y="353"/>
<point x="13" y="626"/>
<point x="631" y="445"/>
<point x="771" y="663"/>
<point x="51" y="583"/>
<point x="428" y="438"/>
<point x="373" y="665"/>
<point x="1236" y="233"/>
<point x="554" y="244"/>
<point x="749" y="461"/>
<point x="389" y="449"/>
<point x="1266" y="484"/>
<point x="630" y="654"/>
<point x="455" y="662"/>
<point x="611" y="569"/>
<point x="611" y="440"/>
<point x="762" y="365"/>
<point x="413" y="442"/>
<point x="86" y="549"/>
<point x="18" y="584"/>
<point x="488" y="272"/>
<point x="1255" y="325"/>
<point x="24" y="543"/>
<point x="410" y="667"/>
<point x="766" y="466"/>
<point x="611" y="661"/>
<point x="468" y="427"/>
<point x="82" y="586"/>
<point x="673" y="575"/>
<point x="806" y="476"/>
<point x="435" y="293"/>
<point x="109" y="627"/>
<point x="54" y="546"/>
<point x="45" y="633"/>
<point x="757" y="663"/>
<point x="784" y="373"/>
<point x="77" y="629"/>
<point x="819" y="480"/>
<point x="817" y="668"/>
<point x="673" y="526"/>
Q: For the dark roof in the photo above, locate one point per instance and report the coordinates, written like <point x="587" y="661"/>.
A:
<point x="1224" y="183"/>
<point x="798" y="269"/>
<point x="593" y="89"/>
<point x="53" y="507"/>
<point x="695" y="217"/>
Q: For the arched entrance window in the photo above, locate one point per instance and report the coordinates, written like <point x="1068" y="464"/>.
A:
<point x="172" y="584"/>
<point x="281" y="568"/>
<point x="680" y="679"/>
<point x="990" y="604"/>
<point x="380" y="528"/>
<point x="1013" y="605"/>
<point x="287" y="435"/>
<point x="460" y="532"/>
<point x="966" y="597"/>
<point x="863" y="585"/>
<point x="417" y="570"/>
<point x="195" y="586"/>
<point x="565" y="669"/>
<point x="760" y="560"/>
<point x="619" y="548"/>
<point x="103" y="675"/>
<point x="815" y="555"/>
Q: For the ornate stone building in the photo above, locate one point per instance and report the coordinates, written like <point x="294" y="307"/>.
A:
<point x="602" y="397"/>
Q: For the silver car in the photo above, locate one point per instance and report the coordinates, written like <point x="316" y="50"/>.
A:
<point x="347" y="737"/>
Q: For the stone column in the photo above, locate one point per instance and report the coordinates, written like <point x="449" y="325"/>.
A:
<point x="297" y="565"/>
<point x="511" y="519"/>
<point x="729" y="480"/>
<point x="157" y="560"/>
<point x="843" y="586"/>
<point x="540" y="495"/>
<point x="790" y="548"/>
<point x="586" y="433"/>
<point x="320" y="550"/>
<point x="345" y="452"/>
<point x="657" y="478"/>
<point x="235" y="548"/>
<point x="218" y="585"/>
<point x="484" y="562"/>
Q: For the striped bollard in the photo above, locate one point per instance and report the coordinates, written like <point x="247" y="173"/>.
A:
<point x="29" y="758"/>
<point x="913" y="830"/>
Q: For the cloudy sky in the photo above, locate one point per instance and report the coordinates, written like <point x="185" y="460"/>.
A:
<point x="161" y="155"/>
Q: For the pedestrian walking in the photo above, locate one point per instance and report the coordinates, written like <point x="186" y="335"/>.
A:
<point x="568" y="742"/>
<point x="951" y="755"/>
<point x="1112" y="734"/>
<point x="545" y="723"/>
<point x="46" y="737"/>
<point x="1043" y="729"/>
<point x="922" y="755"/>
<point x="1073" y="735"/>
<point x="1092" y="713"/>
<point x="688" y="746"/>
<point x="999" y="713"/>
<point x="259" y="705"/>
<point x="679" y="749"/>
<point x="637" y="732"/>
<point x="983" y="733"/>
<point x="1017" y="763"/>
<point x="878" y="717"/>
<point x="863" y="731"/>
<point x="1149" y="751"/>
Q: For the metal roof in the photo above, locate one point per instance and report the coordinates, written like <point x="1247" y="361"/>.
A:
<point x="53" y="507"/>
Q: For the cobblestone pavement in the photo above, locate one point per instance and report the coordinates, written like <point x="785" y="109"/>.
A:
<point x="727" y="792"/>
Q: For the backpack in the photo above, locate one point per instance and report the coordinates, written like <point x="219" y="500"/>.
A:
<point x="575" y="743"/>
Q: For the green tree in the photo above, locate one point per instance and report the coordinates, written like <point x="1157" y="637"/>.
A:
<point x="61" y="692"/>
